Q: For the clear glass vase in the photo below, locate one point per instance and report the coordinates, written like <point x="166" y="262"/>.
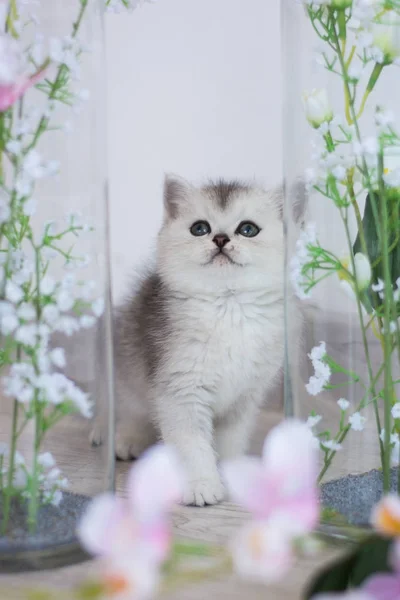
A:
<point x="341" y="100"/>
<point x="55" y="322"/>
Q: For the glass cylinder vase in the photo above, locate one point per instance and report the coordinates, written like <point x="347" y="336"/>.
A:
<point x="55" y="324"/>
<point x="341" y="142"/>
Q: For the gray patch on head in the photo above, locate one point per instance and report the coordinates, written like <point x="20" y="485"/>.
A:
<point x="223" y="192"/>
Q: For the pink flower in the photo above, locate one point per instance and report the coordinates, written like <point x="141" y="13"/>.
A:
<point x="280" y="491"/>
<point x="282" y="483"/>
<point x="382" y="587"/>
<point x="137" y="526"/>
<point x="385" y="517"/>
<point x="10" y="93"/>
<point x="124" y="579"/>
<point x="262" y="552"/>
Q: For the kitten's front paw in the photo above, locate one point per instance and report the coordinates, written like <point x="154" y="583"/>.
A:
<point x="200" y="492"/>
<point x="96" y="435"/>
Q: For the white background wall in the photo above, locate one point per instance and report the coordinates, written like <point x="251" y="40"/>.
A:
<point x="194" y="88"/>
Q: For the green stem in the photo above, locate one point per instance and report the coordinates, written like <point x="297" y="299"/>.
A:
<point x="62" y="71"/>
<point x="8" y="491"/>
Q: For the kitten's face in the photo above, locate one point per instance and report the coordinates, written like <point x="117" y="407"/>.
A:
<point x="224" y="236"/>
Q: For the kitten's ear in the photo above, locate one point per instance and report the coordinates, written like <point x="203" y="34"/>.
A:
<point x="297" y="201"/>
<point x="176" y="191"/>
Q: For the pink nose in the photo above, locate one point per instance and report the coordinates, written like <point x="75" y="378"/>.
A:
<point x="221" y="239"/>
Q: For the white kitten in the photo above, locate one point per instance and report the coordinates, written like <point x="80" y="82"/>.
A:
<point x="201" y="342"/>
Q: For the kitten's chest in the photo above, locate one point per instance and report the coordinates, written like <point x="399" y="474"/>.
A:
<point x="229" y="344"/>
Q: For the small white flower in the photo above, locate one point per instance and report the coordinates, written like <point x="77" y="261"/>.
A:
<point x="67" y="325"/>
<point x="19" y="460"/>
<point x="317" y="107"/>
<point x="27" y="335"/>
<point x="56" y="498"/>
<point x="46" y="460"/>
<point x="318" y="352"/>
<point x="378" y="287"/>
<point x="343" y="404"/>
<point x="357" y="421"/>
<point x="47" y="285"/>
<point x="355" y="71"/>
<point x="50" y="313"/>
<point x="87" y="321"/>
<point x="98" y="307"/>
<point x="339" y="172"/>
<point x="331" y="445"/>
<point x="26" y="311"/>
<point x="25" y="396"/>
<point x="29" y="207"/>
<point x="13" y="292"/>
<point x="57" y="357"/>
<point x="315" y="386"/>
<point x="14" y="147"/>
<point x="396" y="411"/>
<point x="313" y="420"/>
<point x="386" y="37"/>
<point x="65" y="301"/>
<point x="8" y="323"/>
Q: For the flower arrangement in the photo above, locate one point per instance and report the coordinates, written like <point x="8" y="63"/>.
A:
<point x="39" y="77"/>
<point x="359" y="175"/>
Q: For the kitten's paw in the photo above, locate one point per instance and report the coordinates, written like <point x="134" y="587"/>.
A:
<point x="200" y="492"/>
<point x="96" y="435"/>
<point x="131" y="444"/>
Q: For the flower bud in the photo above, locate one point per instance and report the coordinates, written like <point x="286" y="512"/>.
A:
<point x="317" y="108"/>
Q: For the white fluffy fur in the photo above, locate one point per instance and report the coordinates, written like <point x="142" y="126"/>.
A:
<point x="225" y="341"/>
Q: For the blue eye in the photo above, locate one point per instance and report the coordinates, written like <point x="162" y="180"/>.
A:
<point x="200" y="228"/>
<point x="248" y="229"/>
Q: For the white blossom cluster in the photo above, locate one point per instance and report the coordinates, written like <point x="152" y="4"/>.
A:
<point x="307" y="239"/>
<point x="322" y="370"/>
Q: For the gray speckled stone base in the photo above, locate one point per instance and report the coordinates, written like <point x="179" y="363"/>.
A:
<point x="55" y="525"/>
<point x="354" y="496"/>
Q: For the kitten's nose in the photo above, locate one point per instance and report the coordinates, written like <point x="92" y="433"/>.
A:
<point x="221" y="239"/>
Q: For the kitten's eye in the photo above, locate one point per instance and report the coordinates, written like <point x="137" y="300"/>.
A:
<point x="200" y="228"/>
<point x="248" y="229"/>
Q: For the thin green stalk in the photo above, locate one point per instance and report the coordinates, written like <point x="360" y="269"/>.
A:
<point x="7" y="492"/>
<point x="353" y="114"/>
<point x="63" y="70"/>
<point x="364" y="339"/>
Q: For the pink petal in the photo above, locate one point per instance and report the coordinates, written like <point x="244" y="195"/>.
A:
<point x="289" y="453"/>
<point x="301" y="513"/>
<point x="155" y="484"/>
<point x="247" y="483"/>
<point x="383" y="587"/>
<point x="109" y="529"/>
<point x="260" y="552"/>
<point x="99" y="521"/>
<point x="9" y="94"/>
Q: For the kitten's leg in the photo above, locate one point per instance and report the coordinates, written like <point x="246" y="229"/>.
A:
<point x="133" y="437"/>
<point x="233" y="431"/>
<point x="186" y="423"/>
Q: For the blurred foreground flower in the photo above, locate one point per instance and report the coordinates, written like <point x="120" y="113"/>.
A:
<point x="134" y="535"/>
<point x="280" y="492"/>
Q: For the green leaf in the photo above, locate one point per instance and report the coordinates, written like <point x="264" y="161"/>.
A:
<point x="373" y="557"/>
<point x="333" y="578"/>
<point x="370" y="228"/>
<point x="90" y="591"/>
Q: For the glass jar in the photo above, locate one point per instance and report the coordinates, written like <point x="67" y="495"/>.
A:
<point x="55" y="319"/>
<point x="341" y="98"/>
